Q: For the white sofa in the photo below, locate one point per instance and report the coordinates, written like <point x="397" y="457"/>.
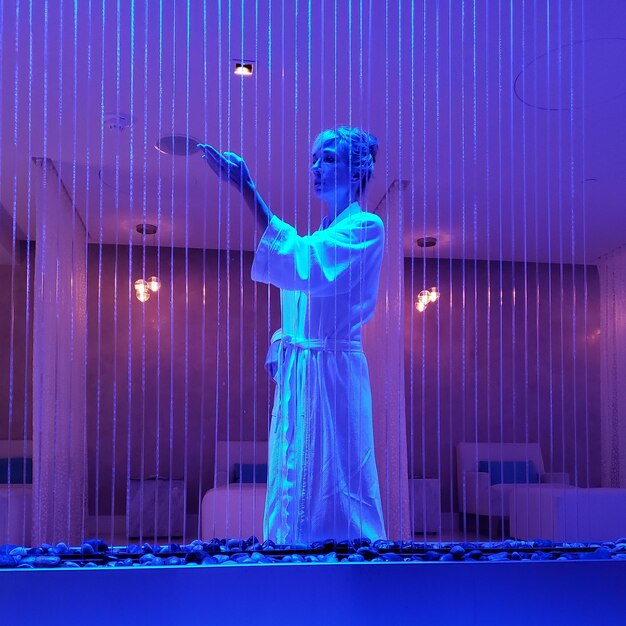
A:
<point x="476" y="495"/>
<point x="558" y="514"/>
<point x="232" y="509"/>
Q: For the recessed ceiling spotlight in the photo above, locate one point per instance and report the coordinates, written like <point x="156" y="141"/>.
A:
<point x="426" y="242"/>
<point x="118" y="121"/>
<point x="177" y="145"/>
<point x="146" y="229"/>
<point x="244" y="68"/>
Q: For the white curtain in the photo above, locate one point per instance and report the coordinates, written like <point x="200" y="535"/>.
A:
<point x="59" y="340"/>
<point x="383" y="343"/>
<point x="612" y="268"/>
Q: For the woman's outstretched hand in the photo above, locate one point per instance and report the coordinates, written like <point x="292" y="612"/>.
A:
<point x="232" y="168"/>
<point x="228" y="166"/>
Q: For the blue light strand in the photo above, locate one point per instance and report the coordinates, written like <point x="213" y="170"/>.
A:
<point x="186" y="323"/>
<point x="487" y="58"/>
<point x="228" y="263"/>
<point x="158" y="255"/>
<point x="573" y="240"/>
<point x="450" y="204"/>
<point x="219" y="254"/>
<point x="423" y="285"/>
<point x="561" y="242"/>
<point x="584" y="243"/>
<point x="13" y="229"/>
<point x="463" y="257"/>
<point x="131" y="193"/>
<point x="144" y="215"/>
<point x="411" y="459"/>
<point x="549" y="231"/>
<point x="241" y="261"/>
<point x="475" y="216"/>
<point x="27" y="337"/>
<point x="438" y="231"/>
<point x="172" y="279"/>
<point x="201" y="444"/>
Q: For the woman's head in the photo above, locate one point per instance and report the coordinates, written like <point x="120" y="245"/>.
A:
<point x="343" y="161"/>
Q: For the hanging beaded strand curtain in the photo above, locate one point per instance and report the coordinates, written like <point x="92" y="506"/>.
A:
<point x="481" y="111"/>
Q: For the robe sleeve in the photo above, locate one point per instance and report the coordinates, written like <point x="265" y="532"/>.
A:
<point x="327" y="262"/>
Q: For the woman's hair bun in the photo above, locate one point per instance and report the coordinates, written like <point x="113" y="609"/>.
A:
<point x="373" y="147"/>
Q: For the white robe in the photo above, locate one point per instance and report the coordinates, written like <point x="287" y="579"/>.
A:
<point x="322" y="477"/>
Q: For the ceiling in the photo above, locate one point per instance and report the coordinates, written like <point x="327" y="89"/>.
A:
<point x="508" y="123"/>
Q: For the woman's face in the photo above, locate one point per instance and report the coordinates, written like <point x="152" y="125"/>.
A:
<point x="331" y="168"/>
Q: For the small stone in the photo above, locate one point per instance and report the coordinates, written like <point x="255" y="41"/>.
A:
<point x="87" y="548"/>
<point x="391" y="556"/>
<point x="602" y="553"/>
<point x="498" y="556"/>
<point x="516" y="556"/>
<point x="98" y="545"/>
<point x="431" y="555"/>
<point x="268" y="544"/>
<point x="62" y="548"/>
<point x="158" y="561"/>
<point x="90" y="564"/>
<point x="146" y="558"/>
<point x="367" y="553"/>
<point x="327" y="545"/>
<point x="356" y="558"/>
<point x="70" y="564"/>
<point x="7" y="547"/>
<point x="7" y="561"/>
<point x="474" y="554"/>
<point x="297" y="558"/>
<point x="174" y="560"/>
<point x="220" y="558"/>
<point x="446" y="557"/>
<point x="209" y="560"/>
<point x="457" y="552"/>
<point x="195" y="557"/>
<point x="47" y="561"/>
<point x="19" y="551"/>
<point x="236" y="544"/>
<point x="35" y="551"/>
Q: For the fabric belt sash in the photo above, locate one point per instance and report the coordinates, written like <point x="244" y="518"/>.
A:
<point x="328" y="344"/>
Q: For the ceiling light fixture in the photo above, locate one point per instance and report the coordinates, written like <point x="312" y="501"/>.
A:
<point x="244" y="68"/>
<point x="426" y="296"/>
<point x="144" y="288"/>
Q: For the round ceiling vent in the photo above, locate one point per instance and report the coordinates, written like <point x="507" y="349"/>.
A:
<point x="177" y="145"/>
<point x="426" y="242"/>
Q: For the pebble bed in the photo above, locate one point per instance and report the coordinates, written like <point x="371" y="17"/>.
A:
<point x="96" y="553"/>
